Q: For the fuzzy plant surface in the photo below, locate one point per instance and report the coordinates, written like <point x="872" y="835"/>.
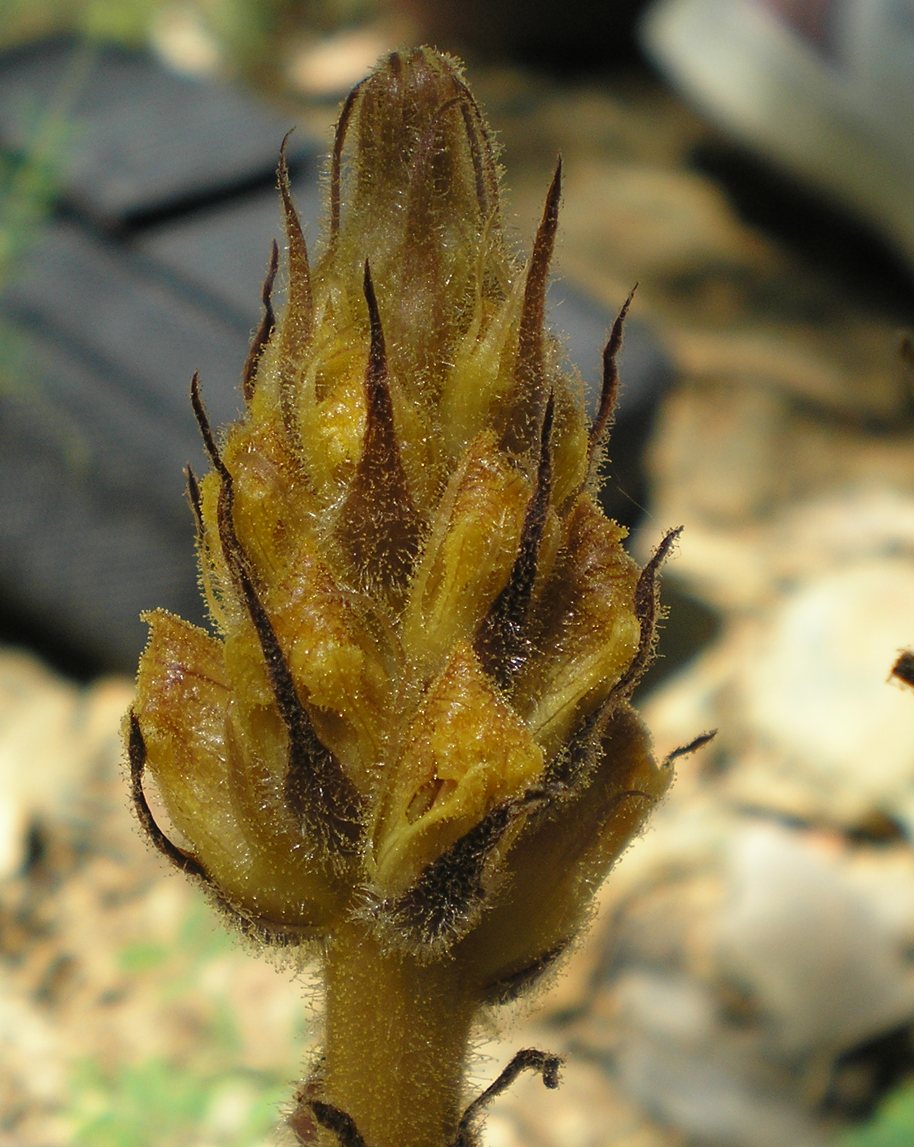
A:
<point x="407" y="740"/>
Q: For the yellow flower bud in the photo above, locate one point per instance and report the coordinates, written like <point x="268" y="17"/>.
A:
<point x="464" y="752"/>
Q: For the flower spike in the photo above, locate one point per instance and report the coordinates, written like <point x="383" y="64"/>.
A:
<point x="406" y="739"/>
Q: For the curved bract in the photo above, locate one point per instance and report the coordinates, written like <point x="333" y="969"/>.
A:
<point x="411" y="718"/>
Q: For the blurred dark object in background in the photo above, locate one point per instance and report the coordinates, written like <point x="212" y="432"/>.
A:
<point x="823" y="93"/>
<point x="571" y="36"/>
<point x="147" y="269"/>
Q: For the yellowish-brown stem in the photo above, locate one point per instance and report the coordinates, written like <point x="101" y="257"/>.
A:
<point x="395" y="1041"/>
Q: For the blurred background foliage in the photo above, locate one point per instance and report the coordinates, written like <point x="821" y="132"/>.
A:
<point x="892" y="1126"/>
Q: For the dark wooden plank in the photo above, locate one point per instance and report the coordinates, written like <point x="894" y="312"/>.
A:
<point x="138" y="139"/>
<point x="93" y="526"/>
<point x="139" y="331"/>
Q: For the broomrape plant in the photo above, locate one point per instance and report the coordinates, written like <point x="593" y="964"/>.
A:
<point x="408" y="740"/>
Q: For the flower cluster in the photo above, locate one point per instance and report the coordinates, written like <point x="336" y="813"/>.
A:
<point x="412" y="713"/>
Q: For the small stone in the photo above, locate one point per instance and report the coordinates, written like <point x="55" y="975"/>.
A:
<point x="808" y="946"/>
<point x="815" y="697"/>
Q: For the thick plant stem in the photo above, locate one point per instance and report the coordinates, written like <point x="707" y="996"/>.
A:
<point x="395" y="1041"/>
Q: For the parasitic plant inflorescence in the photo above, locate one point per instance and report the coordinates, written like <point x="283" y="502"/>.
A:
<point x="408" y="739"/>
